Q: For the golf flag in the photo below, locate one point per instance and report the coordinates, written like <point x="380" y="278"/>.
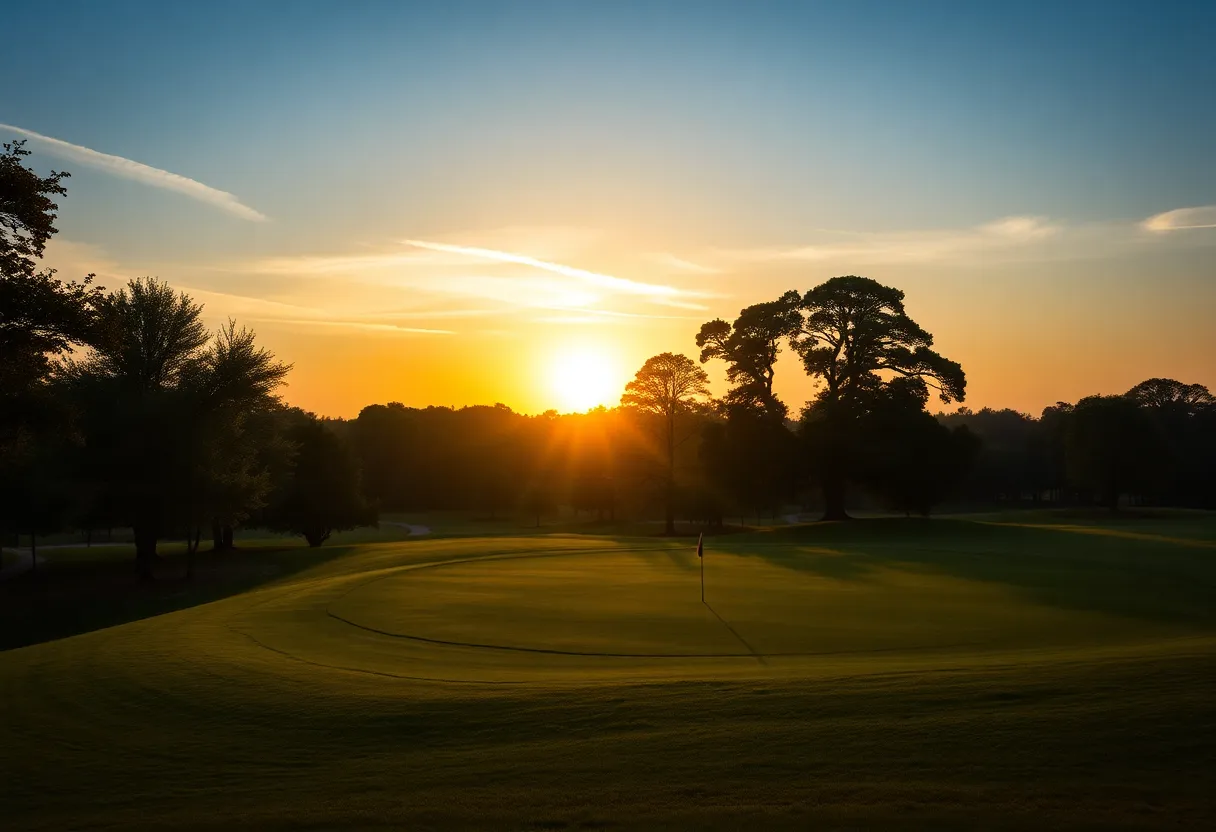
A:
<point x="700" y="546"/>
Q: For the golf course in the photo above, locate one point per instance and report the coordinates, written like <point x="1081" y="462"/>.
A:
<point x="999" y="671"/>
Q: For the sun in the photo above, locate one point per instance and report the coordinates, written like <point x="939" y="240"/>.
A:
<point x="583" y="377"/>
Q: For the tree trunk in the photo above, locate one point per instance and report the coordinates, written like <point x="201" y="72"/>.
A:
<point x="192" y="541"/>
<point x="145" y="551"/>
<point x="833" y="497"/>
<point x="670" y="517"/>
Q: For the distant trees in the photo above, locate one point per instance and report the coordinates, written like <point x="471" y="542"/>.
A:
<point x="321" y="492"/>
<point x="667" y="387"/>
<point x="1112" y="447"/>
<point x="1156" y="444"/>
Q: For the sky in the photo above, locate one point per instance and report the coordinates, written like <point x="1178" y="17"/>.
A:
<point x="467" y="203"/>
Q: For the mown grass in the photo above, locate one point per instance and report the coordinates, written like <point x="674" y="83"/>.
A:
<point x="951" y="674"/>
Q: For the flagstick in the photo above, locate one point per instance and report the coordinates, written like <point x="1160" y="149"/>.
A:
<point x="701" y="557"/>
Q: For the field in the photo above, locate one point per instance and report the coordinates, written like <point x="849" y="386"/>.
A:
<point x="1005" y="671"/>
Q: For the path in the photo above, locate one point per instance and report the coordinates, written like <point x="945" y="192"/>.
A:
<point x="414" y="531"/>
<point x="24" y="564"/>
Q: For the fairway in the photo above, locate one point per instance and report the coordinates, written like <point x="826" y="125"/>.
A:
<point x="894" y="672"/>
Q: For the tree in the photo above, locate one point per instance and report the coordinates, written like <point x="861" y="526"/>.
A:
<point x="41" y="316"/>
<point x="667" y="386"/>
<point x="857" y="340"/>
<point x="750" y="347"/>
<point x="163" y="406"/>
<point x="1168" y="395"/>
<point x="1184" y="416"/>
<point x="321" y="494"/>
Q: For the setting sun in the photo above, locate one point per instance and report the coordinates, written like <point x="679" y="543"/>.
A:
<point x="582" y="378"/>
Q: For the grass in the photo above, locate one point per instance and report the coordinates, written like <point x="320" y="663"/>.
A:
<point x="1017" y="671"/>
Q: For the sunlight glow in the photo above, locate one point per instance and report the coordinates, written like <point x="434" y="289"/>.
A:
<point x="584" y="377"/>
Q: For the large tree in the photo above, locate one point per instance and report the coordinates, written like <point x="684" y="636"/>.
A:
<point x="41" y="316"/>
<point x="668" y="386"/>
<point x="857" y="339"/>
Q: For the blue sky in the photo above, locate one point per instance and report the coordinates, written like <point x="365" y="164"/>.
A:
<point x="997" y="161"/>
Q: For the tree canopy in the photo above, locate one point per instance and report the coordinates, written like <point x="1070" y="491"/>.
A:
<point x="858" y="340"/>
<point x="854" y="329"/>
<point x="750" y="347"/>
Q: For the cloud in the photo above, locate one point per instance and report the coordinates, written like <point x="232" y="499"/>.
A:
<point x="243" y="307"/>
<point x="517" y="280"/>
<point x="678" y="264"/>
<point x="368" y="326"/>
<point x="128" y="169"/>
<point x="1203" y="216"/>
<point x="603" y="281"/>
<point x="912" y="246"/>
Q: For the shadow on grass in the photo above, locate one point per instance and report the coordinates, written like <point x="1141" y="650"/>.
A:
<point x="1138" y="576"/>
<point x="68" y="598"/>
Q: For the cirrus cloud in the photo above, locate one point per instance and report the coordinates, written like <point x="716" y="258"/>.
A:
<point x="139" y="172"/>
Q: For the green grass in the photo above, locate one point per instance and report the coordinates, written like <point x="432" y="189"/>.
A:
<point x="1023" y="671"/>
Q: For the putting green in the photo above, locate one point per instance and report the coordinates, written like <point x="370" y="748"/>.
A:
<point x="604" y="610"/>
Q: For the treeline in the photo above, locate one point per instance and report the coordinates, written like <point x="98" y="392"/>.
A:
<point x="1153" y="445"/>
<point x="119" y="409"/>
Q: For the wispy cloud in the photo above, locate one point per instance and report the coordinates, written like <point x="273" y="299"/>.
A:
<point x="678" y="264"/>
<point x="603" y="281"/>
<point x="911" y="246"/>
<point x="444" y="268"/>
<point x="262" y="310"/>
<point x="129" y="169"/>
<point x="369" y="326"/>
<point x="1203" y="216"/>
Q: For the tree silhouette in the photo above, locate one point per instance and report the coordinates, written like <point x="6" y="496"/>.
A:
<point x="1184" y="417"/>
<point x="41" y="316"/>
<point x="857" y="339"/>
<point x="163" y="409"/>
<point x="1168" y="395"/>
<point x="667" y="386"/>
<point x="750" y="347"/>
